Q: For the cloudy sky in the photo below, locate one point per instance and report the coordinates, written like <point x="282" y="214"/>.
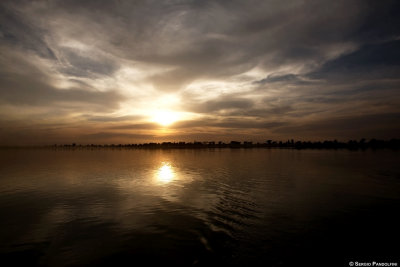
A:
<point x="140" y="71"/>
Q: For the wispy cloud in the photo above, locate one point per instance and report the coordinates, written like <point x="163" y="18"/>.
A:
<point x="254" y="67"/>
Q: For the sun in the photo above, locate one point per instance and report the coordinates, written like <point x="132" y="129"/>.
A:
<point x="165" y="118"/>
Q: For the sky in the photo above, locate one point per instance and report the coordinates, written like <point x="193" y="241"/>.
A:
<point x="198" y="70"/>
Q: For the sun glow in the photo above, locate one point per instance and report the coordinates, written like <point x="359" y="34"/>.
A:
<point x="165" y="118"/>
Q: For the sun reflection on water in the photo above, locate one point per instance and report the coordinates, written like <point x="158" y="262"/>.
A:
<point x="165" y="173"/>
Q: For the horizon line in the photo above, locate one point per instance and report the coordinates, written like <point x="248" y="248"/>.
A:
<point x="269" y="143"/>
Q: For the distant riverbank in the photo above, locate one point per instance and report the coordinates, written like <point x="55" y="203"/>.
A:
<point x="327" y="144"/>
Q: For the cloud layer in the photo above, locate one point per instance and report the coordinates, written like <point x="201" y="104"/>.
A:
<point x="99" y="71"/>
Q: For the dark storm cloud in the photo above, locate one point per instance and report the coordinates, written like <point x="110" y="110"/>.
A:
<point x="97" y="118"/>
<point x="78" y="64"/>
<point x="23" y="83"/>
<point x="218" y="39"/>
<point x="136" y="126"/>
<point x="38" y="94"/>
<point x="101" y="136"/>
<point x="16" y="31"/>
<point x="213" y="39"/>
<point x="269" y="111"/>
<point x="223" y="103"/>
<point x="280" y="78"/>
<point x="384" y="126"/>
<point x="344" y="127"/>
<point x="229" y="123"/>
<point x="371" y="61"/>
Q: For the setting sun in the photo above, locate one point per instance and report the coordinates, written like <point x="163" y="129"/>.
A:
<point x="165" y="118"/>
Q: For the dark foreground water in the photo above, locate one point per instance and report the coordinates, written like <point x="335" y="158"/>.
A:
<point x="267" y="207"/>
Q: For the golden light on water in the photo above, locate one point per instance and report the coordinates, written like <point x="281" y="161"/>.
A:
<point x="165" y="173"/>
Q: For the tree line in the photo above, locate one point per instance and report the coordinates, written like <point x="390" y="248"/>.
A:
<point x="326" y="144"/>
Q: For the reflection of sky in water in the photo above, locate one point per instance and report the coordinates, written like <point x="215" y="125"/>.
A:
<point x="191" y="201"/>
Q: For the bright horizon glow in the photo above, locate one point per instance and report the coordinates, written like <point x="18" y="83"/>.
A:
<point x="165" y="118"/>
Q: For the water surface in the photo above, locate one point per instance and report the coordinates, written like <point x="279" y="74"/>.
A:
<point x="267" y="207"/>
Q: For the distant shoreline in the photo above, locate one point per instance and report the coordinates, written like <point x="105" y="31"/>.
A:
<point x="292" y="144"/>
